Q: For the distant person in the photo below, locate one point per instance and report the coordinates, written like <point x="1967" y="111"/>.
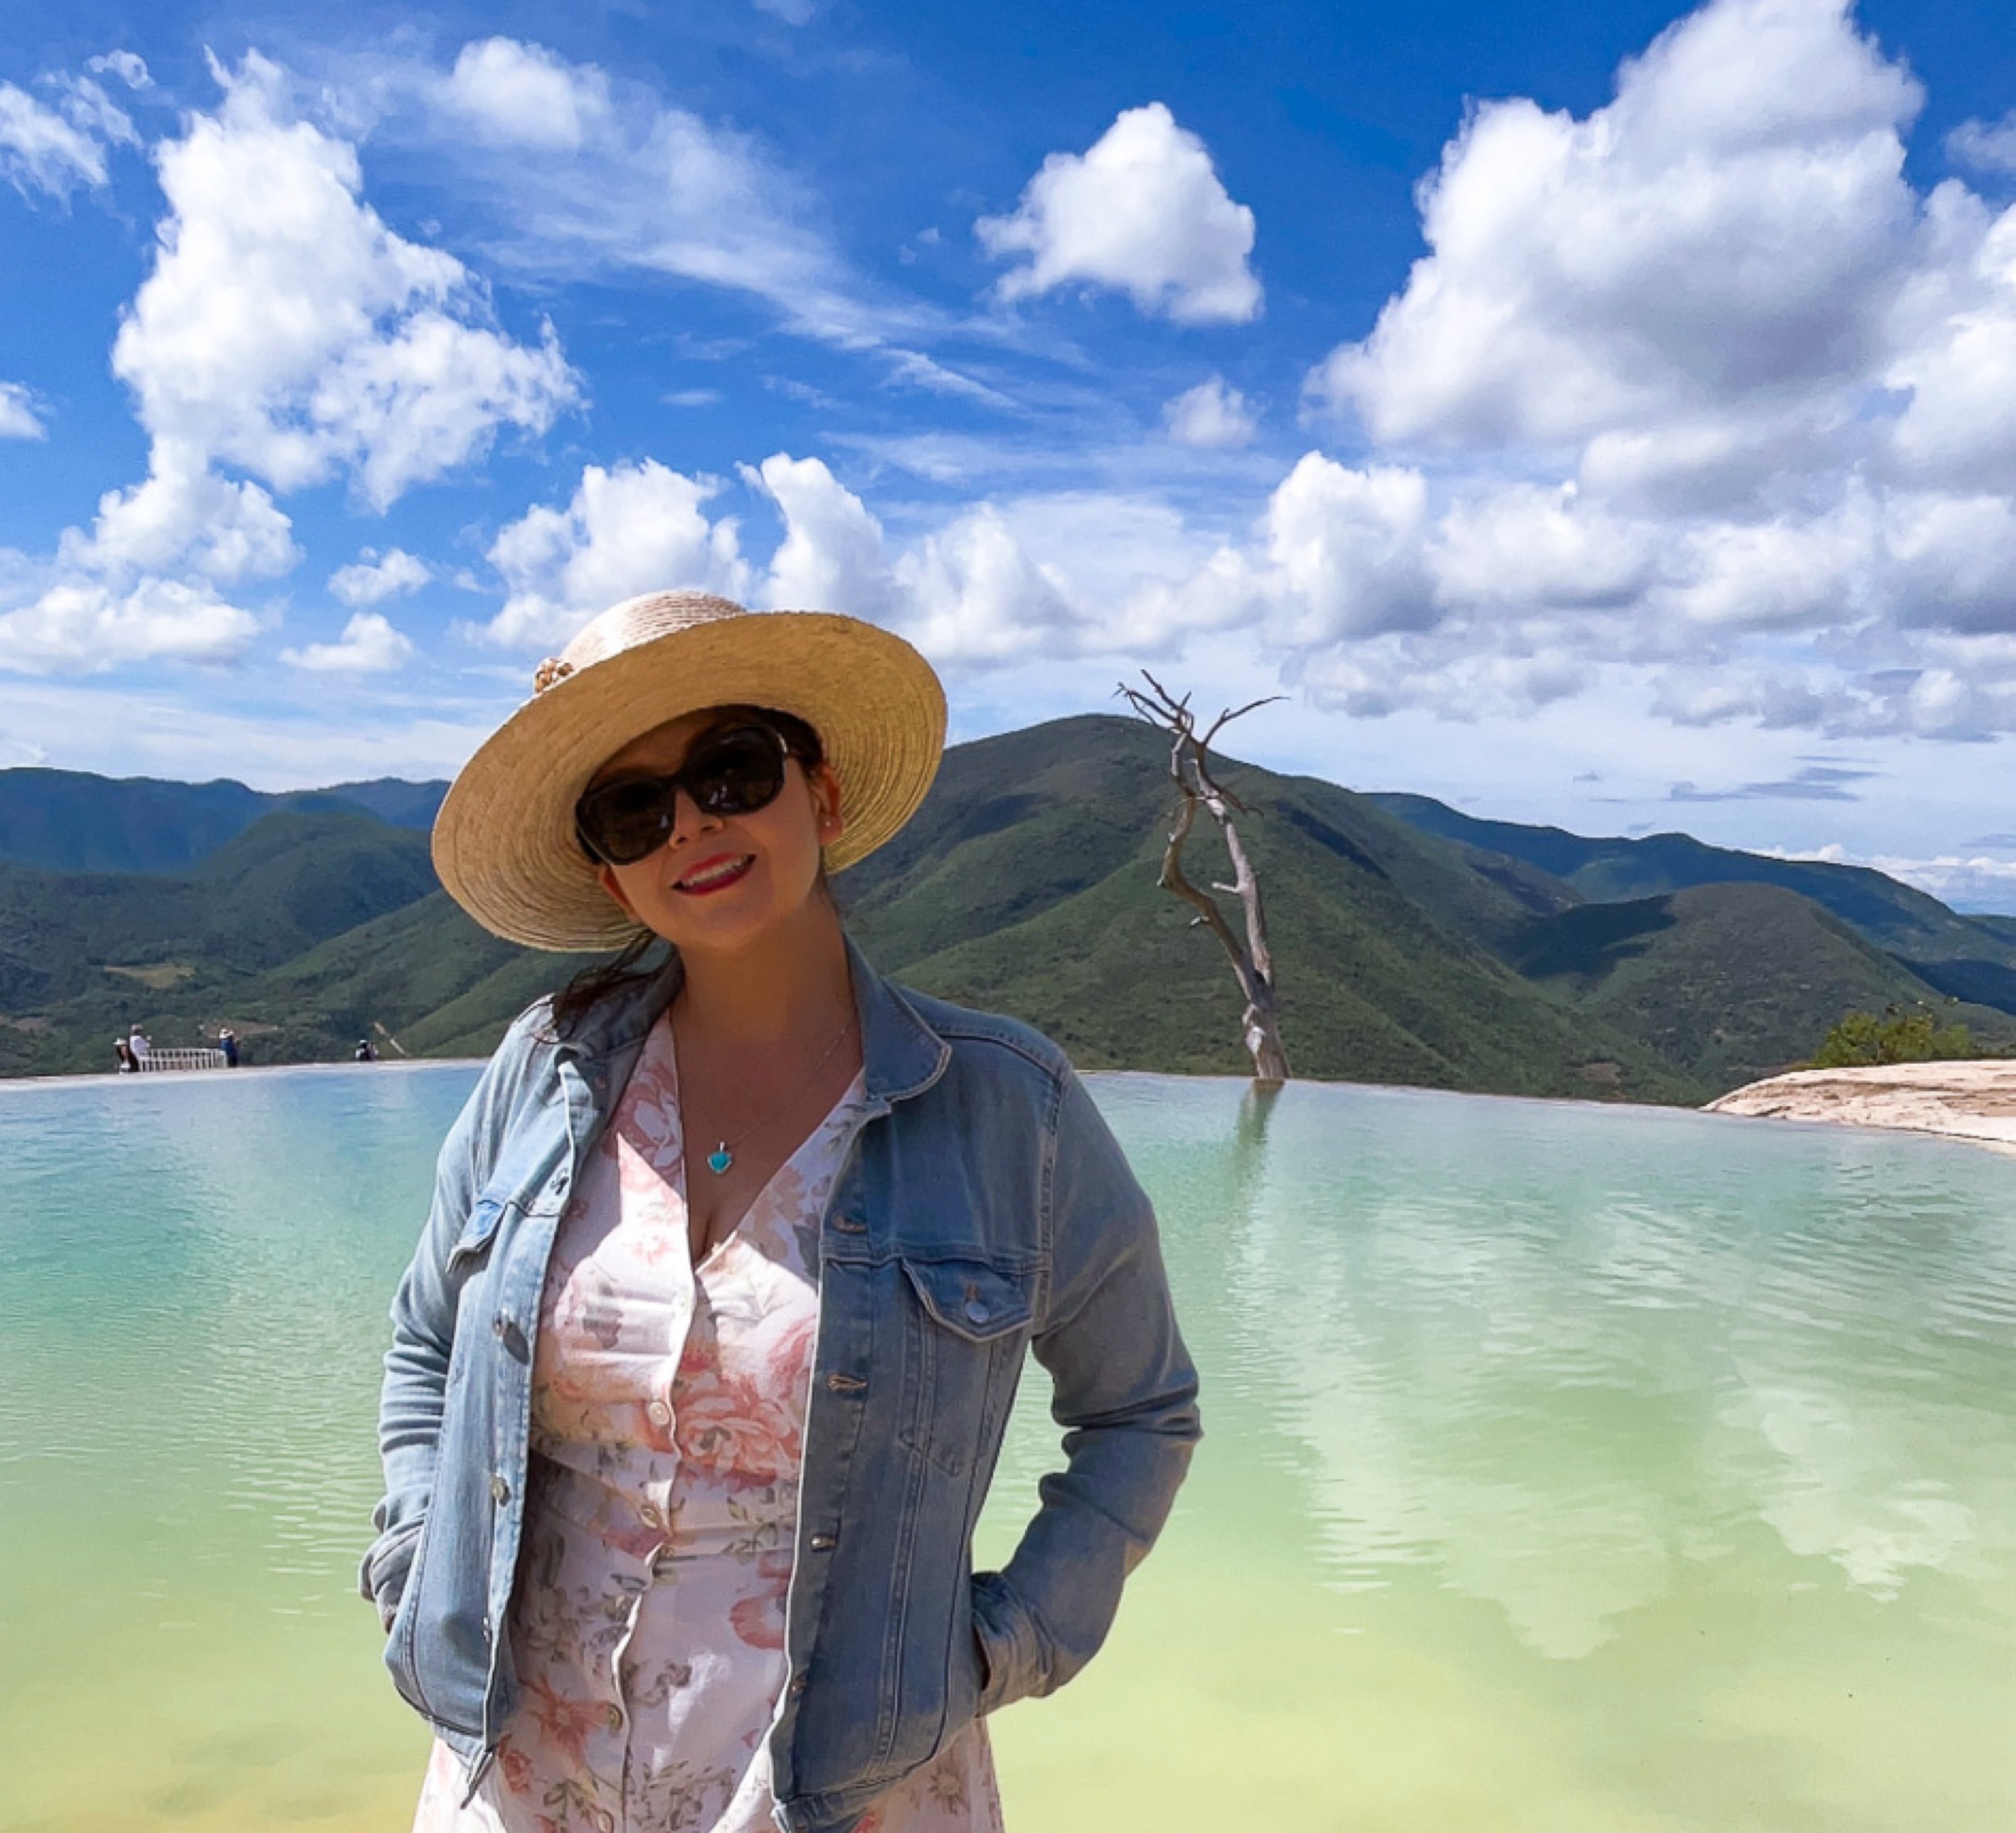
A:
<point x="227" y="1041"/>
<point x="733" y="1235"/>
<point x="127" y="1065"/>
<point x="367" y="1052"/>
<point x="140" y="1045"/>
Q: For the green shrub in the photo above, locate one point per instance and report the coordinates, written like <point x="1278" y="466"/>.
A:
<point x="1900" y="1035"/>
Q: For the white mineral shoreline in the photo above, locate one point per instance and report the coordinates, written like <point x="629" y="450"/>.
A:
<point x="1974" y="1101"/>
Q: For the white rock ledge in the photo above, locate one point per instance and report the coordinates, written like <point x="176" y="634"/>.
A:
<point x="1973" y="1101"/>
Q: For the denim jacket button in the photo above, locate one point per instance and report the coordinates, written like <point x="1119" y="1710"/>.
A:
<point x="500" y="1491"/>
<point x="822" y="1543"/>
<point x="798" y="1685"/>
<point x="976" y="1311"/>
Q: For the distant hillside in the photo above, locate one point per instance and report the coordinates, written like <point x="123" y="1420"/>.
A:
<point x="84" y="954"/>
<point x="1727" y="982"/>
<point x="1026" y="883"/>
<point x="1903" y="921"/>
<point x="70" y="821"/>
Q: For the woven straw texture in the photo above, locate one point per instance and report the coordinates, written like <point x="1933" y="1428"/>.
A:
<point x="504" y="842"/>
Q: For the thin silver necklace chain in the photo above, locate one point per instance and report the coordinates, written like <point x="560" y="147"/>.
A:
<point x="721" y="1161"/>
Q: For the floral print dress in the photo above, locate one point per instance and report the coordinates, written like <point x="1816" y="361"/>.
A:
<point x="668" y="1404"/>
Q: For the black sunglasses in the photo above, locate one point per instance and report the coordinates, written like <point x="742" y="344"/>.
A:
<point x="734" y="772"/>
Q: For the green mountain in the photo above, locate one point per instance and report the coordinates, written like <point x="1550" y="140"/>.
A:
<point x="1727" y="982"/>
<point x="83" y="954"/>
<point x="1026" y="883"/>
<point x="70" y="821"/>
<point x="1903" y="921"/>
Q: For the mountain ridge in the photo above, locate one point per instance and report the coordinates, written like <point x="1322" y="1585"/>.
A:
<point x="1027" y="881"/>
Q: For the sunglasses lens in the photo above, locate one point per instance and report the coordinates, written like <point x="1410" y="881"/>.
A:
<point x="624" y="821"/>
<point x="735" y="774"/>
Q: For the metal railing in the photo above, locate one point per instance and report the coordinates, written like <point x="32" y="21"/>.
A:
<point x="177" y="1059"/>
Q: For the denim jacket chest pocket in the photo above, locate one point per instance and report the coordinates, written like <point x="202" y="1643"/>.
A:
<point x="478" y="1233"/>
<point x="967" y="1322"/>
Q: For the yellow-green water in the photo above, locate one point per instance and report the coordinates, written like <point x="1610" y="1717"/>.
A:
<point x="1568" y="1469"/>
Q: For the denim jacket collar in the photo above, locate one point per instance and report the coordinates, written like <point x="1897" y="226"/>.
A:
<point x="902" y="1055"/>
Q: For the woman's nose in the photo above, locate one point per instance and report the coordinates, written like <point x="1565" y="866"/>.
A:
<point x="689" y="818"/>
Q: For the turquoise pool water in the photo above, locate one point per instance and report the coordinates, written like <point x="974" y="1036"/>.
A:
<point x="1574" y="1470"/>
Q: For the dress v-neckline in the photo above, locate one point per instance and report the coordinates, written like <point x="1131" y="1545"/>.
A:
<point x="851" y="1092"/>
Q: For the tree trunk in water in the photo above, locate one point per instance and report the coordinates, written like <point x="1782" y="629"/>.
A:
<point x="1252" y="961"/>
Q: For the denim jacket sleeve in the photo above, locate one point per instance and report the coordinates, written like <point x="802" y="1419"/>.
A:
<point x="1125" y="1392"/>
<point x="414" y="1395"/>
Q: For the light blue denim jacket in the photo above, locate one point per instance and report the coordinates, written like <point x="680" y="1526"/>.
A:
<point x="984" y="1208"/>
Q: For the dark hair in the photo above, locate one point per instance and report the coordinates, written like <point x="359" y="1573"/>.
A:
<point x="599" y="980"/>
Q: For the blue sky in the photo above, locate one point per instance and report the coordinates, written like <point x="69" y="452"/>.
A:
<point x="1586" y="413"/>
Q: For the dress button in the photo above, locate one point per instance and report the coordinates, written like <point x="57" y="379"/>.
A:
<point x="661" y="1415"/>
<point x="500" y="1491"/>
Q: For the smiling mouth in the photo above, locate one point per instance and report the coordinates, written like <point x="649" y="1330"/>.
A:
<point x="716" y="875"/>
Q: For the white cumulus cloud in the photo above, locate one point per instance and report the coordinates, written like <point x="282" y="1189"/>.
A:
<point x="284" y="336"/>
<point x="1722" y="410"/>
<point x="976" y="596"/>
<point x="832" y="557"/>
<point x="1732" y="224"/>
<point x="1988" y="147"/>
<point x="1143" y="212"/>
<point x="1213" y="414"/>
<point x="372" y="578"/>
<point x="368" y="645"/>
<point x="86" y="627"/>
<point x="629" y="528"/>
<point x="1346" y="549"/>
<point x="519" y="95"/>
<point x="286" y="329"/>
<point x="185" y="517"/>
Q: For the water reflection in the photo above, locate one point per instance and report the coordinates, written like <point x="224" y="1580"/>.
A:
<point x="1658" y="1465"/>
<point x="1501" y="1361"/>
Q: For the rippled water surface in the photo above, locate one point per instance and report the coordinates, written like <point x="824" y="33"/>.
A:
<point x="1568" y="1470"/>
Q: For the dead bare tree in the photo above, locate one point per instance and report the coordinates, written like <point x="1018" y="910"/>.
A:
<point x="1189" y="766"/>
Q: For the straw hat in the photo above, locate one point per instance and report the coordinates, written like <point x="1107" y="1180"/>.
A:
<point x="504" y="841"/>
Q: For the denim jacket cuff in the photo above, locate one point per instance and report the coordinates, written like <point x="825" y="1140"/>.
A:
<point x="1008" y="1637"/>
<point x="382" y="1574"/>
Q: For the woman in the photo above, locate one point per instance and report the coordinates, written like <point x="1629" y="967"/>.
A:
<point x="700" y="1374"/>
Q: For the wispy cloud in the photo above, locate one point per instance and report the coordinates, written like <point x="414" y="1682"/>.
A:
<point x="573" y="173"/>
<point x="54" y="149"/>
<point x="18" y="417"/>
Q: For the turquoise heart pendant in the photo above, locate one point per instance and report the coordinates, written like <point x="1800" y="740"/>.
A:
<point x="719" y="1159"/>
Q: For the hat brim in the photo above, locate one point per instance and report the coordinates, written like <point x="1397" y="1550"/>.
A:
<point x="504" y="842"/>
